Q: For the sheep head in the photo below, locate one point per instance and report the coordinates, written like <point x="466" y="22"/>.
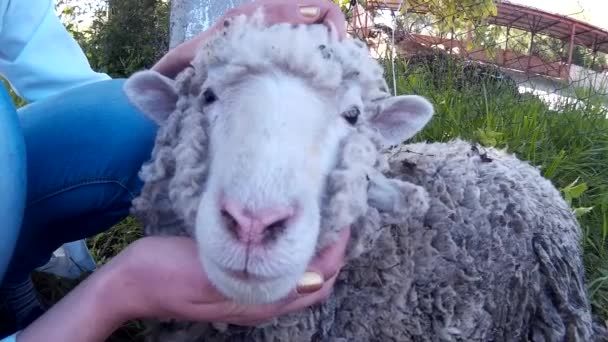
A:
<point x="256" y="139"/>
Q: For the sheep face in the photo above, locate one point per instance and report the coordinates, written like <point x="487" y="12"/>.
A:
<point x="273" y="140"/>
<point x="270" y="151"/>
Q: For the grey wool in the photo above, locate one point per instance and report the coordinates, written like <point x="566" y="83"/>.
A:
<point x="450" y="241"/>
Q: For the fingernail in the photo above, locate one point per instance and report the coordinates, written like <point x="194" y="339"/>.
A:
<point x="309" y="11"/>
<point x="310" y="282"/>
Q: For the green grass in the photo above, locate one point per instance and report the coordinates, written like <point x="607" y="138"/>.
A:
<point x="570" y="146"/>
<point x="108" y="244"/>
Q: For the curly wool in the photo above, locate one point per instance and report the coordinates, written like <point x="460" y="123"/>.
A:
<point x="494" y="257"/>
<point x="175" y="175"/>
<point x="451" y="242"/>
<point x="247" y="46"/>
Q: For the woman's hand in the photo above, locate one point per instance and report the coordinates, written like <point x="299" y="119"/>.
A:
<point x="276" y="11"/>
<point x="164" y="278"/>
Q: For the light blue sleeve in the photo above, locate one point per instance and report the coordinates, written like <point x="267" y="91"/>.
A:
<point x="38" y="56"/>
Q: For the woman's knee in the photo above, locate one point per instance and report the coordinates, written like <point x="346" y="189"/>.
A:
<point x="91" y="131"/>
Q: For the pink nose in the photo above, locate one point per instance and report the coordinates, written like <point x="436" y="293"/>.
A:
<point x="255" y="227"/>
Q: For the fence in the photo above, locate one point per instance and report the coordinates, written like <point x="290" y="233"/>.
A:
<point x="556" y="57"/>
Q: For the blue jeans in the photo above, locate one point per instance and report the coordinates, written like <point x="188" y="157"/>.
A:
<point x="73" y="176"/>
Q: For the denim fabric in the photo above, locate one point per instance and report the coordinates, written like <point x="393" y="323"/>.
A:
<point x="84" y="149"/>
<point x="13" y="183"/>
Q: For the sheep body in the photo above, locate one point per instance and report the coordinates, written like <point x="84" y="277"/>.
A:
<point x="494" y="258"/>
<point x="450" y="241"/>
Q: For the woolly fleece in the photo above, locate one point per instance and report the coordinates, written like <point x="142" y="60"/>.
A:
<point x="451" y="242"/>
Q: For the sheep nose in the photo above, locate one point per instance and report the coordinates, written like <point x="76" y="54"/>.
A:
<point x="255" y="227"/>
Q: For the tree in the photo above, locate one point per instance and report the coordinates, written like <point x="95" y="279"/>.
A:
<point x="124" y="35"/>
<point x="127" y="35"/>
<point x="454" y="15"/>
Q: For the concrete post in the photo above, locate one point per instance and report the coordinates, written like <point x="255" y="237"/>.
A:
<point x="190" y="17"/>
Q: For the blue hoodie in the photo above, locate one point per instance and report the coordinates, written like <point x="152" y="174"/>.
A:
<point x="38" y="56"/>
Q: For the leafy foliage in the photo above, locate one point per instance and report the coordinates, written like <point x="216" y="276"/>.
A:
<point x="447" y="15"/>
<point x="133" y="35"/>
<point x="455" y="15"/>
<point x="125" y="35"/>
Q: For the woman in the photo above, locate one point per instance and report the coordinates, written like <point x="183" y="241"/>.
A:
<point x="68" y="170"/>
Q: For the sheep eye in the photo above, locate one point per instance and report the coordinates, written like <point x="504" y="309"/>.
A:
<point x="209" y="96"/>
<point x="352" y="115"/>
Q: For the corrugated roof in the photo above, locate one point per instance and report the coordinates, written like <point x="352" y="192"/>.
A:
<point x="532" y="20"/>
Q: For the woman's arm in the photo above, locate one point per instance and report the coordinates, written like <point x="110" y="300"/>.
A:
<point x="163" y="277"/>
<point x="90" y="312"/>
<point x="38" y="56"/>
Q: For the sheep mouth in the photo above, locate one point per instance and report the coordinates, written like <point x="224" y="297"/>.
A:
<point x="246" y="276"/>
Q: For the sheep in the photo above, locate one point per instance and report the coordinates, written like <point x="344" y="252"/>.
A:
<point x="277" y="137"/>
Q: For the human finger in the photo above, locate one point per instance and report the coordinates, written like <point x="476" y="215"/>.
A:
<point x="259" y="314"/>
<point x="277" y="11"/>
<point x="251" y="315"/>
<point x="297" y="12"/>
<point x="309" y="300"/>
<point x="325" y="265"/>
<point x="335" y="19"/>
<point x="319" y="12"/>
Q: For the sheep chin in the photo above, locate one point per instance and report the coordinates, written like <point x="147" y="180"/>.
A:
<point x="271" y="273"/>
<point x="250" y="289"/>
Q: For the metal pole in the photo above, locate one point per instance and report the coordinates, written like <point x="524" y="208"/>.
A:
<point x="570" y="49"/>
<point x="190" y="17"/>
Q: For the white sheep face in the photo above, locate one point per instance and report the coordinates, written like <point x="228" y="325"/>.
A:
<point x="274" y="138"/>
<point x="270" y="150"/>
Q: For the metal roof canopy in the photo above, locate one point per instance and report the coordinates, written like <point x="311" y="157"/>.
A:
<point x="531" y="20"/>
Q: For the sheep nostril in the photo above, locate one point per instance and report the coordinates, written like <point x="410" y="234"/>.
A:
<point x="230" y="223"/>
<point x="256" y="227"/>
<point x="272" y="231"/>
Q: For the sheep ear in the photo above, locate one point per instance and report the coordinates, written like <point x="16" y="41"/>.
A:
<point x="152" y="93"/>
<point x="399" y="118"/>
